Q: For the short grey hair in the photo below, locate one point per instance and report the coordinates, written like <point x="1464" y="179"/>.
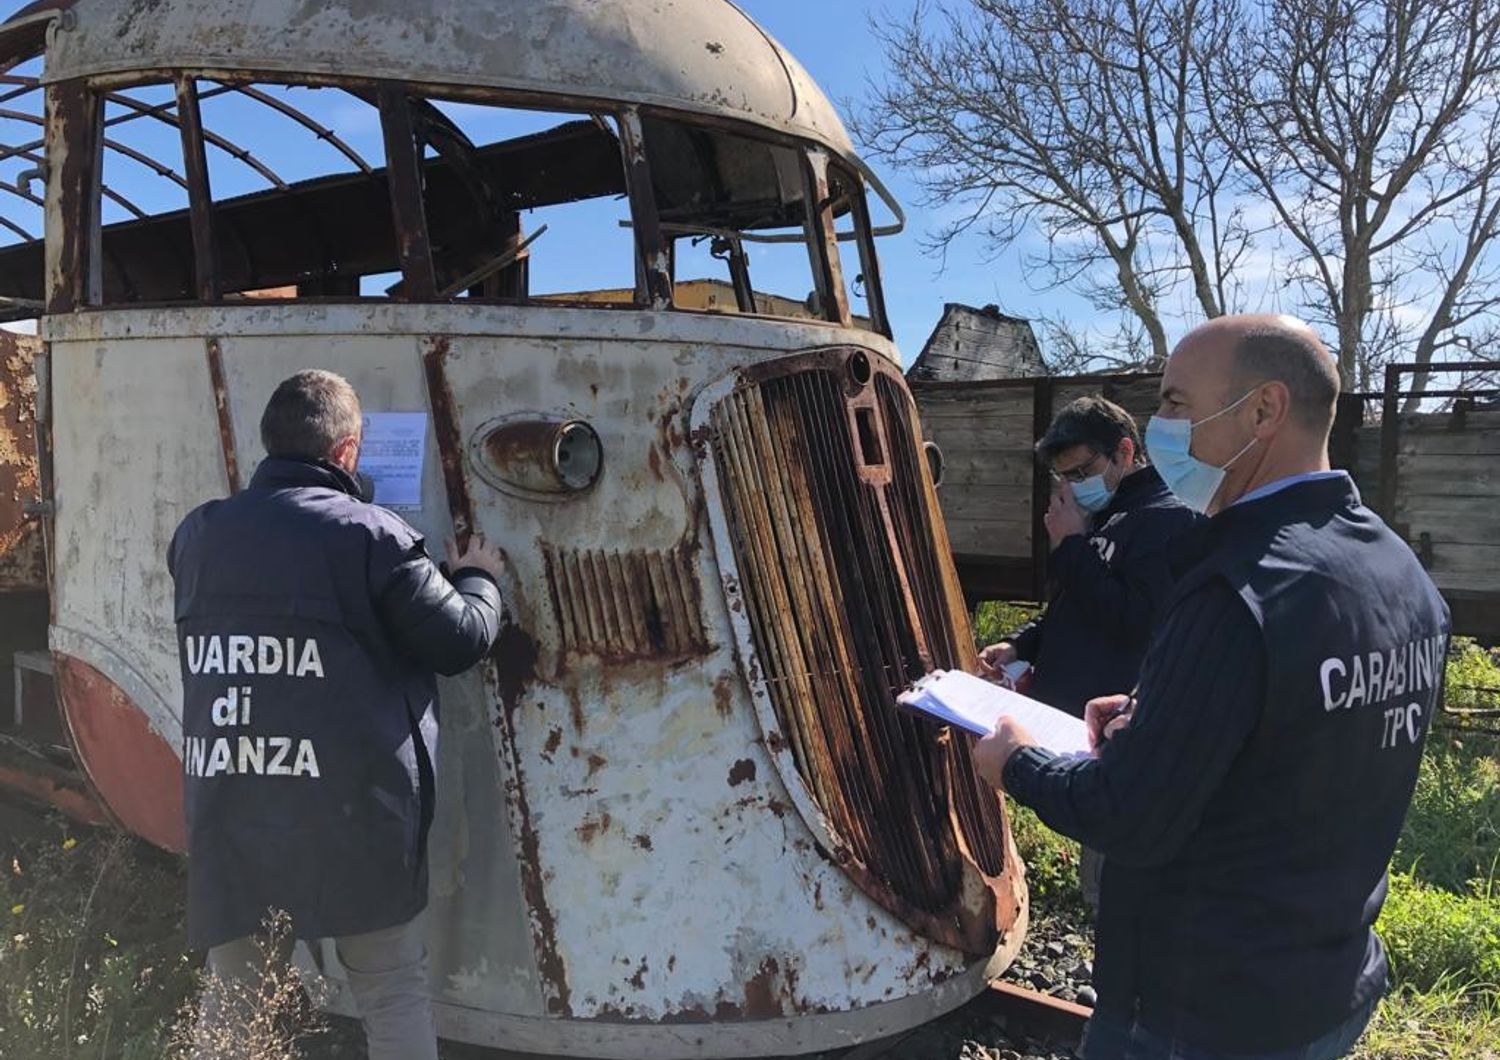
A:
<point x="309" y="414"/>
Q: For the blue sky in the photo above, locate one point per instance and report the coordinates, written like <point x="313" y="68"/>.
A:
<point x="584" y="247"/>
<point x="833" y="39"/>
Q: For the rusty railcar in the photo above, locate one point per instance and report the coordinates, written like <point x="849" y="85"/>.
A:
<point x="678" y="814"/>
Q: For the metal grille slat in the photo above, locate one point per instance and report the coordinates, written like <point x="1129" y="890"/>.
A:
<point x="847" y="599"/>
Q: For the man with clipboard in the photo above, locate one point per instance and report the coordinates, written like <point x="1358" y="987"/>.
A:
<point x="1248" y="799"/>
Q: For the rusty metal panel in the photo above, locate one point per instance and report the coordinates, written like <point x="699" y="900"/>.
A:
<point x="847" y="595"/>
<point x="135" y="771"/>
<point x="585" y="799"/>
<point x="623" y="605"/>
<point x="22" y="562"/>
<point x="700" y="56"/>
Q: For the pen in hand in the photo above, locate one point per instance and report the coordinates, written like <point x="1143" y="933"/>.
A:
<point x="1106" y="716"/>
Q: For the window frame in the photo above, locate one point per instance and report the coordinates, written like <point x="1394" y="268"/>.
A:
<point x="75" y="117"/>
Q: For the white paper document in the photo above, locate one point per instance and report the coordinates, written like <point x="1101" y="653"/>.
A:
<point x="391" y="454"/>
<point x="956" y="698"/>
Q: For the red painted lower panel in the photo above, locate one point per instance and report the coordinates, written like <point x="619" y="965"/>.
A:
<point x="135" y="771"/>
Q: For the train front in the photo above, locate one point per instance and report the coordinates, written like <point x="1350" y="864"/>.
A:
<point x="679" y="815"/>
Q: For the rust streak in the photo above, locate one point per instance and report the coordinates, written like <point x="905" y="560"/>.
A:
<point x="593" y="827"/>
<point x="509" y="684"/>
<point x="762" y="998"/>
<point x="226" y="421"/>
<point x="447" y="425"/>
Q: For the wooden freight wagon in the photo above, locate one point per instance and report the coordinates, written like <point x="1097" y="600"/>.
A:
<point x="1432" y="474"/>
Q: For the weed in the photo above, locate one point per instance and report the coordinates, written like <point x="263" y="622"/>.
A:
<point x="260" y="1012"/>
<point x="1447" y="1021"/>
<point x="1051" y="864"/>
<point x="1433" y="935"/>
<point x="995" y="620"/>
<point x="92" y="956"/>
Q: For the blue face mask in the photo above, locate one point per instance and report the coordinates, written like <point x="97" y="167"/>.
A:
<point x="1092" y="495"/>
<point x="1169" y="443"/>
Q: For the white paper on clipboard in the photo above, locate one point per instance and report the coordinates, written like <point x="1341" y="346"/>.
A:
<point x="956" y="698"/>
<point x="392" y="453"/>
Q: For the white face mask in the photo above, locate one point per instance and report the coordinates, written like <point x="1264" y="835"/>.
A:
<point x="1169" y="443"/>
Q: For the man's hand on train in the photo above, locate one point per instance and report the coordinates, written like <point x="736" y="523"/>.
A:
<point x="478" y="554"/>
<point x="1064" y="518"/>
<point x="992" y="752"/>
<point x="1106" y="716"/>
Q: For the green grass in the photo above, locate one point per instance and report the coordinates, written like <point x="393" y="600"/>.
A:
<point x="1434" y="935"/>
<point x="994" y="620"/>
<point x="1443" y="1022"/>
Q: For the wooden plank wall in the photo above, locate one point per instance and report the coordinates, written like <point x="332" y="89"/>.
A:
<point x="1448" y="489"/>
<point x="986" y="435"/>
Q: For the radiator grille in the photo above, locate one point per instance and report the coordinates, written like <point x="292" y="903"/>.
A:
<point x="626" y="604"/>
<point x="850" y="596"/>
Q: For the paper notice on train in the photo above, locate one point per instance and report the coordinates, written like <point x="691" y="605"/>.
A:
<point x="956" y="698"/>
<point x="391" y="453"/>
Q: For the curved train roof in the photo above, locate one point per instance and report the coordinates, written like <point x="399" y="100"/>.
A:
<point x="700" y="56"/>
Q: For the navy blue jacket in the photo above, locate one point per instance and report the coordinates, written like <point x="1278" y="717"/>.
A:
<point x="1249" y="810"/>
<point x="1107" y="591"/>
<point x="311" y="625"/>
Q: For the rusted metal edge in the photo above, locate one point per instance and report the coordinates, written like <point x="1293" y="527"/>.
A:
<point x="42" y="784"/>
<point x="73" y="120"/>
<point x="215" y="354"/>
<point x="200" y="197"/>
<point x="404" y="172"/>
<point x="823" y="239"/>
<point x="42" y="424"/>
<point x="869" y="261"/>
<point x="445" y="423"/>
<point x="655" y="274"/>
<point x="1036" y="1014"/>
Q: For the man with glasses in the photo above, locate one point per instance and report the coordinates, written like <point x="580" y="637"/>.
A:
<point x="1109" y="523"/>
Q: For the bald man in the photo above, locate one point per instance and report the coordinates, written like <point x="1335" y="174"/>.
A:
<point x="1248" y="799"/>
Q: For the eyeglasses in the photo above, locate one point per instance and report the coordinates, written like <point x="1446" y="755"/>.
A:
<point x="1080" y="473"/>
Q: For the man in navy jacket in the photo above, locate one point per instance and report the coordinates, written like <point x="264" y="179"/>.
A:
<point x="312" y="624"/>
<point x="1109" y="524"/>
<point x="1248" y="798"/>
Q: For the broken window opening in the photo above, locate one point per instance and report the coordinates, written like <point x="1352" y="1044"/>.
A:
<point x="22" y="190"/>
<point x="735" y="210"/>
<point x="523" y="205"/>
<point x="283" y="200"/>
<point x="856" y="247"/>
<point x="506" y="201"/>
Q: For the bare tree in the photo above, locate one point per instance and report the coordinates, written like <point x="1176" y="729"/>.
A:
<point x="1372" y="128"/>
<point x="1086" y="119"/>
